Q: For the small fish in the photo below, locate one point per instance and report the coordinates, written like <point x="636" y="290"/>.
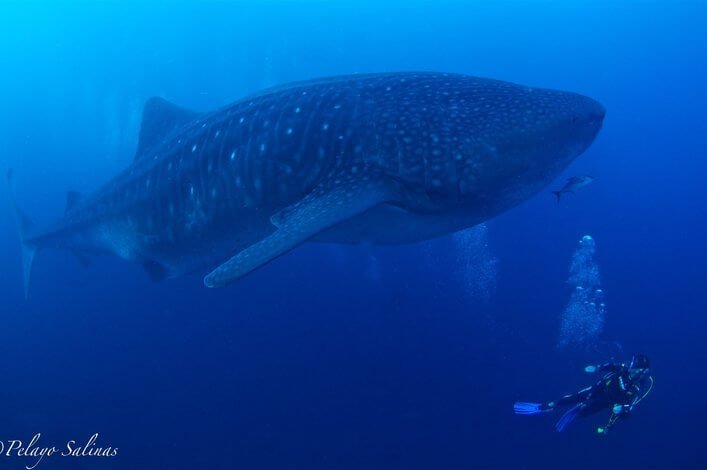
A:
<point x="574" y="183"/>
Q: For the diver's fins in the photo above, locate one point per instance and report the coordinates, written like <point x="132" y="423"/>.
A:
<point x="526" y="408"/>
<point x="568" y="417"/>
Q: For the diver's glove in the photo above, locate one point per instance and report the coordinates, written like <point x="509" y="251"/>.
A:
<point x="590" y="369"/>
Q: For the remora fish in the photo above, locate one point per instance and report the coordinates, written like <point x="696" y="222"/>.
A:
<point x="381" y="158"/>
<point x="573" y="184"/>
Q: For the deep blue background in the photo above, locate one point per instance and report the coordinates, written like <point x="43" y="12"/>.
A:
<point x="312" y="362"/>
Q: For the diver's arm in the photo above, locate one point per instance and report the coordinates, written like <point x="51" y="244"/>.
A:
<point x="608" y="367"/>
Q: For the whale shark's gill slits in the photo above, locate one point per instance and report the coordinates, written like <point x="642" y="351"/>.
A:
<point x="260" y="147"/>
<point x="217" y="168"/>
<point x="353" y="137"/>
<point x="311" y="155"/>
<point x="334" y="133"/>
<point x="402" y="136"/>
<point x="208" y="160"/>
<point x="303" y="110"/>
<point x="222" y="162"/>
<point x="271" y="150"/>
<point x="211" y="161"/>
<point x="263" y="146"/>
<point x="229" y="173"/>
<point x="244" y="177"/>
<point x="257" y="146"/>
<point x="284" y="157"/>
<point x="238" y="155"/>
<point x="339" y="110"/>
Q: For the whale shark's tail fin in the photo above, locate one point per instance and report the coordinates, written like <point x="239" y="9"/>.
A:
<point x="25" y="225"/>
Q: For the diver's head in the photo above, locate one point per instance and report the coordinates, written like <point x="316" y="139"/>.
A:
<point x="640" y="361"/>
<point x="639" y="366"/>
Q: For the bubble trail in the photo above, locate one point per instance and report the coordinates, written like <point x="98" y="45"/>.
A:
<point x="583" y="318"/>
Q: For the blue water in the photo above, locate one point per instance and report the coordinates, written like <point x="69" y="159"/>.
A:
<point x="357" y="357"/>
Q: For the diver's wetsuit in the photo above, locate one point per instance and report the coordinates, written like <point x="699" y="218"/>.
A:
<point x="616" y="387"/>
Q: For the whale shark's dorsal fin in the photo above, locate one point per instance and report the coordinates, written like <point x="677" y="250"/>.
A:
<point x="159" y="119"/>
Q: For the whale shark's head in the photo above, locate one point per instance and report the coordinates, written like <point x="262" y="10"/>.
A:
<point x="550" y="130"/>
<point x="515" y="140"/>
<point x="564" y="125"/>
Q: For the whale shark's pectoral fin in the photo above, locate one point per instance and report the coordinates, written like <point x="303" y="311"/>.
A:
<point x="324" y="207"/>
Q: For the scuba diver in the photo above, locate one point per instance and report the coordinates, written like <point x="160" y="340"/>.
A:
<point x="620" y="389"/>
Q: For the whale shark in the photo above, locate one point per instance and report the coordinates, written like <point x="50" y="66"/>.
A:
<point x="386" y="158"/>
